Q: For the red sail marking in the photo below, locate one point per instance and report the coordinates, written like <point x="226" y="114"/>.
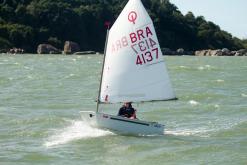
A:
<point x="132" y="17"/>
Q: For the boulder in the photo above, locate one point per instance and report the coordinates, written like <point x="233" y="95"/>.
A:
<point x="241" y="52"/>
<point x="216" y="52"/>
<point x="166" y="51"/>
<point x="209" y="52"/>
<point x="47" y="49"/>
<point x="71" y="47"/>
<point x="201" y="52"/>
<point x="234" y="53"/>
<point x="221" y="52"/>
<point x="180" y="51"/>
<point x="16" y="51"/>
<point x="226" y="52"/>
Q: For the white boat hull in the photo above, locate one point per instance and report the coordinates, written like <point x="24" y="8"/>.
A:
<point x="127" y="126"/>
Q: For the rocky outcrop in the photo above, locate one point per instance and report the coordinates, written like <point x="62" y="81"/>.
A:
<point x="71" y="47"/>
<point x="47" y="49"/>
<point x="221" y="52"/>
<point x="209" y="52"/>
<point x="180" y="51"/>
<point x="226" y="52"/>
<point x="216" y="52"/>
<point x="16" y="51"/>
<point x="166" y="51"/>
<point x="206" y="52"/>
<point x="241" y="52"/>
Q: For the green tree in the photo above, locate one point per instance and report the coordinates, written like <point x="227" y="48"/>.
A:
<point x="27" y="23"/>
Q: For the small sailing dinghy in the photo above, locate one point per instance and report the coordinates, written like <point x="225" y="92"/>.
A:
<point x="133" y="71"/>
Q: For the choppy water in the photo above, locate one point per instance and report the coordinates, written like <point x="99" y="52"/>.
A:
<point x="41" y="96"/>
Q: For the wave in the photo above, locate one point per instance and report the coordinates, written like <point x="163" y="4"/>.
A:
<point x="220" y="81"/>
<point x="77" y="130"/>
<point x="188" y="132"/>
<point x="184" y="67"/>
<point x="206" y="131"/>
<point x="193" y="103"/>
<point x="205" y="67"/>
<point x="244" y="95"/>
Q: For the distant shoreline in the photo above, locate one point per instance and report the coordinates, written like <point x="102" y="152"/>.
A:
<point x="165" y="52"/>
<point x="170" y="55"/>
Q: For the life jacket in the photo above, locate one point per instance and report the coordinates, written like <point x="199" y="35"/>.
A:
<point x="127" y="112"/>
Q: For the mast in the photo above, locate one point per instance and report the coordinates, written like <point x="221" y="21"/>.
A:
<point x="102" y="69"/>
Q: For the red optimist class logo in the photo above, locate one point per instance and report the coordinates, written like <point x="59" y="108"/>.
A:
<point x="132" y="17"/>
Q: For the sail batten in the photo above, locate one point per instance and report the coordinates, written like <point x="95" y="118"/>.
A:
<point x="134" y="68"/>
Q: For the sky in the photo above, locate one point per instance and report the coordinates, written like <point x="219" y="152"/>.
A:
<point x="230" y="15"/>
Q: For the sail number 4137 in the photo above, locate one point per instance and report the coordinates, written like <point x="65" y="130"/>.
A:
<point x="146" y="51"/>
<point x="148" y="56"/>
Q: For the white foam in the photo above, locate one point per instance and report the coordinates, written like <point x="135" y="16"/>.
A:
<point x="30" y="77"/>
<point x="219" y="81"/>
<point x="193" y="103"/>
<point x="77" y="130"/>
<point x="200" y="68"/>
<point x="188" y="132"/>
<point x="216" y="106"/>
<point x="183" y="67"/>
<point x="208" y="67"/>
<point x="26" y="67"/>
<point x="70" y="75"/>
<point x="243" y="95"/>
<point x="207" y="130"/>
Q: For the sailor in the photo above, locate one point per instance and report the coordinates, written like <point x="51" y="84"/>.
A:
<point x="127" y="111"/>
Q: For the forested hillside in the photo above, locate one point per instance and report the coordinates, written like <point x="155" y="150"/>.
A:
<point x="27" y="23"/>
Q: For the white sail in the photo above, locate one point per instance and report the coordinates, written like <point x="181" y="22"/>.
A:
<point x="134" y="68"/>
